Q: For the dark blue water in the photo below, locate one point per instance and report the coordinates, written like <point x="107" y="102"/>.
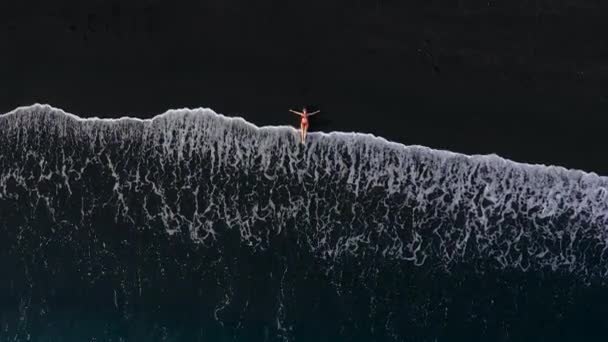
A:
<point x="197" y="227"/>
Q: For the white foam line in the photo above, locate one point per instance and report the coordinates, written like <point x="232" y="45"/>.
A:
<point x="372" y="138"/>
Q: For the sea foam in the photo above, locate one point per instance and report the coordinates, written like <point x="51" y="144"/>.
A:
<point x="197" y="174"/>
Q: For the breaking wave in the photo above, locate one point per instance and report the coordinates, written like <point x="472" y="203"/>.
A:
<point x="215" y="184"/>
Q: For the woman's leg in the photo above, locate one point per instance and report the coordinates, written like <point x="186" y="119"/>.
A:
<point x="303" y="129"/>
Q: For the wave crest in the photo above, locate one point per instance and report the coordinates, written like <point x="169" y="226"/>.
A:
<point x="194" y="173"/>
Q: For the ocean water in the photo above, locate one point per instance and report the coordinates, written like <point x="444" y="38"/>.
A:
<point x="193" y="226"/>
